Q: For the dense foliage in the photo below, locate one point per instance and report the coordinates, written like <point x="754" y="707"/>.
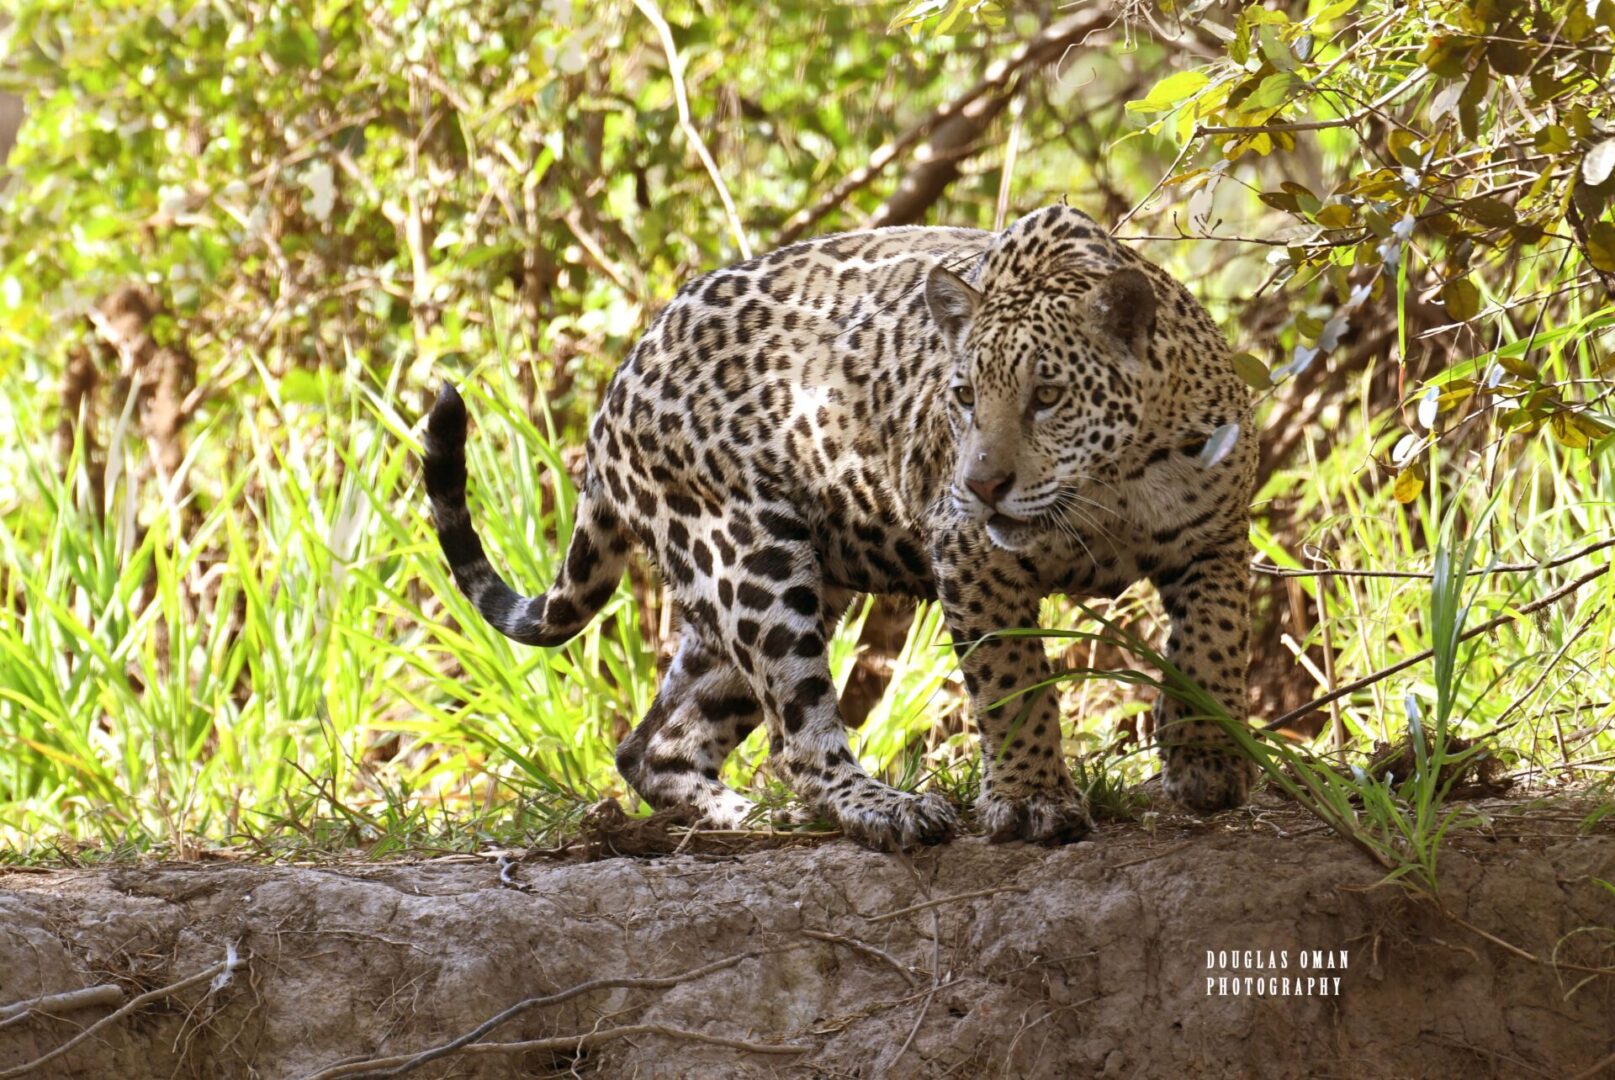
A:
<point x="241" y="241"/>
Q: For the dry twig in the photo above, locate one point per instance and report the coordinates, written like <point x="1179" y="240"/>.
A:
<point x="1425" y="575"/>
<point x="1417" y="658"/>
<point x="864" y="947"/>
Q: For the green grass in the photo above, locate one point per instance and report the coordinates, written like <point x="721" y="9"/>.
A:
<point x="280" y="662"/>
<point x="267" y="652"/>
<point x="277" y="659"/>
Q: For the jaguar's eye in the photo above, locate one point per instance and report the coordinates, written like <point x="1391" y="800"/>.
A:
<point x="1047" y="396"/>
<point x="964" y="395"/>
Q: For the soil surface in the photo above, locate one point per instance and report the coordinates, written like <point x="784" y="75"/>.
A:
<point x="969" y="960"/>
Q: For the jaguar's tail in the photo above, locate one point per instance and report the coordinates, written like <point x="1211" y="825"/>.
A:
<point x="594" y="562"/>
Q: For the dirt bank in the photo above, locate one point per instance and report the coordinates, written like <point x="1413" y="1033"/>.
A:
<point x="1089" y="960"/>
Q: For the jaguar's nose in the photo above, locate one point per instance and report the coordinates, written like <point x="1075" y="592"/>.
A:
<point x="991" y="489"/>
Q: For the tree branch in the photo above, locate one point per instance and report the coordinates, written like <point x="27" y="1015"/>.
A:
<point x="675" y="69"/>
<point x="971" y="112"/>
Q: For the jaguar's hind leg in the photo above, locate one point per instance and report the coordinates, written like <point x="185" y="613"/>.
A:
<point x="704" y="708"/>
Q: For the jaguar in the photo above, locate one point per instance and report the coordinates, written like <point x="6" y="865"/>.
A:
<point x="977" y="418"/>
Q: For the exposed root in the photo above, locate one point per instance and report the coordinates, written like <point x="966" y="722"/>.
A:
<point x="903" y="969"/>
<point x="398" y="1065"/>
<point x="88" y="998"/>
<point x="939" y="901"/>
<point x="217" y="972"/>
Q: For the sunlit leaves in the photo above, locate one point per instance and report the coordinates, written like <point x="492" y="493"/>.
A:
<point x="1335" y="216"/>
<point x="944" y="16"/>
<point x="1275" y="90"/>
<point x="1170" y="92"/>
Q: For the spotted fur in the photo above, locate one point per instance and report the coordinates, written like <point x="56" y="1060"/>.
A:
<point x="949" y="414"/>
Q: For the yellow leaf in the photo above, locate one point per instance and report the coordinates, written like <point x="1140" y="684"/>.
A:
<point x="1568" y="431"/>
<point x="1335" y="216"/>
<point x="1409" y="484"/>
<point x="1601" y="246"/>
<point x="1461" y="298"/>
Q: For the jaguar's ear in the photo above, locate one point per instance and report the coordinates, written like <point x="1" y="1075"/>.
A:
<point x="1123" y="306"/>
<point x="953" y="304"/>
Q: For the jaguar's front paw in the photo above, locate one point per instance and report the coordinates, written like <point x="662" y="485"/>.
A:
<point x="889" y="820"/>
<point x="1059" y="816"/>
<point x="1207" y="781"/>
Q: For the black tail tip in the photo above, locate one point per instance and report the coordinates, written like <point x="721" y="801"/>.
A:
<point x="447" y="421"/>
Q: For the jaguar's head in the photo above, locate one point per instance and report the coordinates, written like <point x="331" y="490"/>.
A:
<point x="1048" y="382"/>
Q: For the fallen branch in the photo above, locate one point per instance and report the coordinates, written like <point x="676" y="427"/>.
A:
<point x="223" y="967"/>
<point x="1418" y="658"/>
<point x="919" y="1018"/>
<point x="1049" y="44"/>
<point x="400" y="1064"/>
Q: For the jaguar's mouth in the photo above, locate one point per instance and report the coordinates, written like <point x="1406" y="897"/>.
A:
<point x="1012" y="533"/>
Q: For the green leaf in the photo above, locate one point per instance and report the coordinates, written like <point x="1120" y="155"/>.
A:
<point x="1508" y="57"/>
<point x="1275" y="91"/>
<point x="1281" y="200"/>
<point x="302" y="387"/>
<point x="100" y="227"/>
<point x="1571" y="430"/>
<point x="1252" y="370"/>
<point x="1404" y="148"/>
<point x="1553" y="139"/>
<point x="1517" y="366"/>
<point x="1447" y="56"/>
<point x="1489" y="211"/>
<point x="1334" y="11"/>
<point x="1169" y="92"/>
<point x="1275" y="49"/>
